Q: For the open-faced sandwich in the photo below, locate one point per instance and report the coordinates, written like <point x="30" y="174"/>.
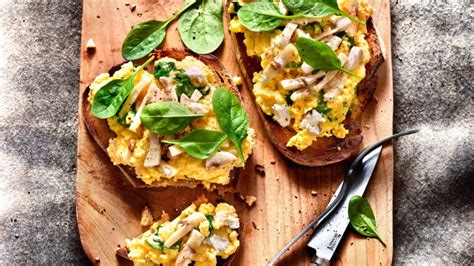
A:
<point x="182" y="125"/>
<point x="311" y="66"/>
<point x="202" y="234"/>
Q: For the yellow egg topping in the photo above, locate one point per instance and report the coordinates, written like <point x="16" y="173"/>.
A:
<point x="199" y="234"/>
<point x="313" y="103"/>
<point x="131" y="146"/>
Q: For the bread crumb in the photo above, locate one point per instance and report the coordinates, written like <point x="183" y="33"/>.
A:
<point x="90" y="46"/>
<point x="201" y="200"/>
<point x="250" y="200"/>
<point x="147" y="217"/>
<point x="314" y="193"/>
<point x="237" y="80"/>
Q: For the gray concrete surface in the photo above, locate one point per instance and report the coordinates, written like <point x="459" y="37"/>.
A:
<point x="39" y="75"/>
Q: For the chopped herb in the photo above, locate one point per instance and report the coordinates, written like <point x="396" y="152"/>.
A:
<point x="210" y="218"/>
<point x="184" y="85"/>
<point x="293" y="65"/>
<point x="163" y="69"/>
<point x="288" y="99"/>
<point x="322" y="107"/>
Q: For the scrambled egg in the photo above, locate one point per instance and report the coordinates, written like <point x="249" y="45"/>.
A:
<point x="276" y="101"/>
<point x="131" y="148"/>
<point x="217" y="234"/>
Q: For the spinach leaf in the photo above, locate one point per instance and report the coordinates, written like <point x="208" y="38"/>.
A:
<point x="199" y="143"/>
<point x="231" y="116"/>
<point x="163" y="69"/>
<point x="317" y="8"/>
<point x="201" y="28"/>
<point x="108" y="99"/>
<point x="210" y="219"/>
<point x="167" y="118"/>
<point x="262" y="16"/>
<point x="319" y="55"/>
<point x="155" y="241"/>
<point x="362" y="218"/>
<point x="148" y="35"/>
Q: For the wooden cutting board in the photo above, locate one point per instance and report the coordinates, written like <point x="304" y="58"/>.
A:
<point x="288" y="196"/>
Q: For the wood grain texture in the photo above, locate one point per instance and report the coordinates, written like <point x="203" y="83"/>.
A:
<point x="108" y="209"/>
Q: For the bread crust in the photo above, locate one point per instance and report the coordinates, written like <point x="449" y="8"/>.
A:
<point x="101" y="133"/>
<point x="326" y="150"/>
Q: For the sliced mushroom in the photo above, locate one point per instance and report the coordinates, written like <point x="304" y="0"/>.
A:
<point x="296" y="83"/>
<point x="330" y="75"/>
<point x="341" y="24"/>
<point x="196" y="75"/>
<point x="306" y="68"/>
<point x="174" y="150"/>
<point x="352" y="29"/>
<point x="278" y="64"/>
<point x="136" y="122"/>
<point x="197" y="108"/>
<point x="282" y="8"/>
<point x="196" y="96"/>
<point x="223" y="218"/>
<point x="334" y="42"/>
<point x="355" y="56"/>
<point x="284" y="38"/>
<point x="220" y="158"/>
<point x="169" y="92"/>
<point x="281" y="114"/>
<point x="168" y="170"/>
<point x="186" y="255"/>
<point x="185" y="226"/>
<point x="153" y="157"/>
<point x="219" y="243"/>
<point x="300" y="94"/>
<point x="311" y="122"/>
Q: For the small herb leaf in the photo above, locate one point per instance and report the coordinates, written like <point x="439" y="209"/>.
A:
<point x="148" y="35"/>
<point x="319" y="55"/>
<point x="210" y="219"/>
<point x="201" y="28"/>
<point x="109" y="98"/>
<point x="167" y="118"/>
<point x="262" y="16"/>
<point x="317" y="8"/>
<point x="362" y="218"/>
<point x="231" y="116"/>
<point x="200" y="143"/>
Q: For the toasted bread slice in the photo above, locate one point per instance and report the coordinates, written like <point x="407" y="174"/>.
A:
<point x="100" y="131"/>
<point x="123" y="251"/>
<point x="326" y="150"/>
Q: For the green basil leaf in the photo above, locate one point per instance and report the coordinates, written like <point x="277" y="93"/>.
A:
<point x="317" y="8"/>
<point x="148" y="35"/>
<point x="200" y="143"/>
<point x="109" y="98"/>
<point x="231" y="116"/>
<point x="163" y="69"/>
<point x="201" y="28"/>
<point x="167" y="118"/>
<point x="262" y="16"/>
<point x="319" y="55"/>
<point x="362" y="218"/>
